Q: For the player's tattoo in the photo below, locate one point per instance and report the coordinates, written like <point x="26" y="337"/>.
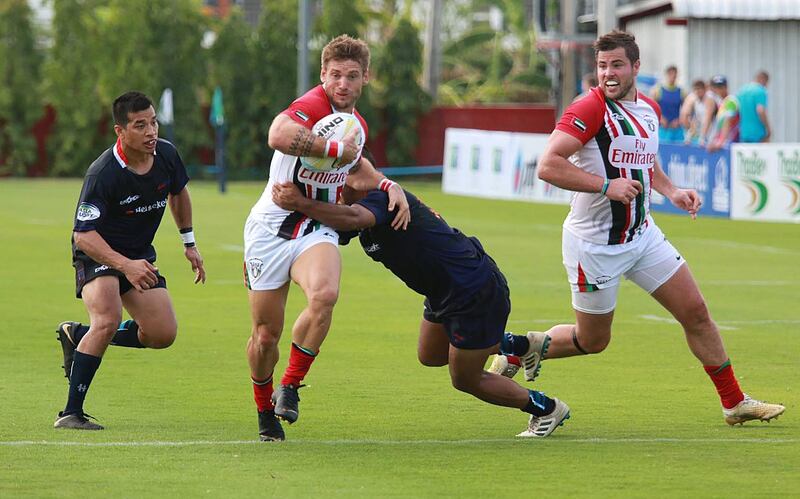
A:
<point x="302" y="143"/>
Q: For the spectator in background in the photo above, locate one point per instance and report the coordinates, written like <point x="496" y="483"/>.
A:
<point x="726" y="120"/>
<point x="717" y="85"/>
<point x="694" y="113"/>
<point x="588" y="82"/>
<point x="753" y="122"/>
<point x="669" y="96"/>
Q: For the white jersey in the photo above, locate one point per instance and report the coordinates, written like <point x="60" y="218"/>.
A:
<point x="322" y="186"/>
<point x="620" y="140"/>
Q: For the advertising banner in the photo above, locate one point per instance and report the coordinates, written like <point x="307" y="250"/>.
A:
<point x="766" y="182"/>
<point x="499" y="165"/>
<point x="692" y="167"/>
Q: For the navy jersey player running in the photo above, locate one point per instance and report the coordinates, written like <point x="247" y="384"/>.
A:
<point x="284" y="245"/>
<point x="466" y="296"/>
<point x="605" y="149"/>
<point x="125" y="193"/>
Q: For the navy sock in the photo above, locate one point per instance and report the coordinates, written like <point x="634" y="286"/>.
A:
<point x="514" y="345"/>
<point x="539" y="404"/>
<point x="79" y="332"/>
<point x="127" y="335"/>
<point x="83" y="368"/>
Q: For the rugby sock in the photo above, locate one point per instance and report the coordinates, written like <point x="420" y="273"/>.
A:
<point x="513" y="359"/>
<point x="299" y="363"/>
<point x="127" y="335"/>
<point x="539" y="404"/>
<point x="514" y="345"/>
<point x="727" y="387"/>
<point x="262" y="392"/>
<point x="83" y="368"/>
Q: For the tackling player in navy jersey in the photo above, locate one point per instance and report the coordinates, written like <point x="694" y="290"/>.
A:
<point x="125" y="193"/>
<point x="466" y="296"/>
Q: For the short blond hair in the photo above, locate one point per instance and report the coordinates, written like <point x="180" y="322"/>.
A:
<point x="343" y="48"/>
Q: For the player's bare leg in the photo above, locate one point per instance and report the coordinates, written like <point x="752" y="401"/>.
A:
<point x="433" y="346"/>
<point x="681" y="296"/>
<point x="102" y="300"/>
<point x="316" y="271"/>
<point x="591" y="333"/>
<point x="267" y="311"/>
<point x="152" y="311"/>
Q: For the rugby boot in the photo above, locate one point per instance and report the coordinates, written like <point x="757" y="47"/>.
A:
<point x="76" y="421"/>
<point x="532" y="361"/>
<point x="286" y="399"/>
<point x="501" y="365"/>
<point x="750" y="409"/>
<point x="542" y="426"/>
<point x="269" y="428"/>
<point x="65" y="332"/>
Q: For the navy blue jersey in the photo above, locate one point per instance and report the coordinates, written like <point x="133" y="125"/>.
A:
<point x="432" y="258"/>
<point x="126" y="208"/>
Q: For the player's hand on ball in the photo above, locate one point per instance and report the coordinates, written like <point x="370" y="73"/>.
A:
<point x="286" y="196"/>
<point x="623" y="190"/>
<point x="351" y="149"/>
<point x="193" y="255"/>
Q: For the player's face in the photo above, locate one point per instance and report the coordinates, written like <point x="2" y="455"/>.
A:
<point x="343" y="81"/>
<point x="616" y="74"/>
<point x="141" y="132"/>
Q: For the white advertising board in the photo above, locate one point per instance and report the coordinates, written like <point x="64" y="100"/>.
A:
<point x="766" y="182"/>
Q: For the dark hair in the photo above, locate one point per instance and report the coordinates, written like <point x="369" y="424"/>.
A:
<point x="698" y="84"/>
<point x="617" y="39"/>
<point x="671" y="68"/>
<point x="129" y="102"/>
<point x="343" y="48"/>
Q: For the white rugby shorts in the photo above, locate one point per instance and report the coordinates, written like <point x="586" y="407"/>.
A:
<point x="268" y="259"/>
<point x="594" y="270"/>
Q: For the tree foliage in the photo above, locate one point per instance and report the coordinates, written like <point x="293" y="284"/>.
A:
<point x="20" y="98"/>
<point x="403" y="100"/>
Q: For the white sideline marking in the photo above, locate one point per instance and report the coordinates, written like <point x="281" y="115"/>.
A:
<point x="756" y="248"/>
<point x="236" y="248"/>
<point x="187" y="443"/>
<point x="721" y="324"/>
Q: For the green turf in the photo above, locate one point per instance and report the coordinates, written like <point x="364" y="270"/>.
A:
<point x="374" y="423"/>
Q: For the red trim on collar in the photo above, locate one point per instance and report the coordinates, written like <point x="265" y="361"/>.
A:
<point x="120" y="152"/>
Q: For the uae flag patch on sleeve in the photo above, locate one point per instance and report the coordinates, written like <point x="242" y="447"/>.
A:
<point x="580" y="125"/>
<point x="301" y="115"/>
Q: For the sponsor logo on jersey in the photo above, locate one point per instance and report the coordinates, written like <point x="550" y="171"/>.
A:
<point x="101" y="268"/>
<point x="301" y="115"/>
<point x="372" y="248"/>
<point x="321" y="179"/>
<point x="129" y="199"/>
<point x="254" y="266"/>
<point x="155" y="206"/>
<point x="87" y="211"/>
<point x="627" y="151"/>
<point x="603" y="279"/>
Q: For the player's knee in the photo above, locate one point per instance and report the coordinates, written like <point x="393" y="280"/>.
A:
<point x="266" y="336"/>
<point x="466" y="383"/>
<point x="324" y="298"/>
<point x="430" y="360"/>
<point x="161" y="341"/>
<point x="595" y="344"/>
<point x="105" y="327"/>
<point x="695" y="318"/>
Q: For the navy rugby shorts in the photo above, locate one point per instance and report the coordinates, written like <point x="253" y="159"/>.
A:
<point x="87" y="269"/>
<point x="480" y="321"/>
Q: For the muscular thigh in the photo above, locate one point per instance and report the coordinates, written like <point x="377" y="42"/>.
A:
<point x="102" y="300"/>
<point x="152" y="310"/>
<point x="318" y="269"/>
<point x="434" y="345"/>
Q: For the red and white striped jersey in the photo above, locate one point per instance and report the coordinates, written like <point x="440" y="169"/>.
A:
<point x="322" y="186"/>
<point x="620" y="139"/>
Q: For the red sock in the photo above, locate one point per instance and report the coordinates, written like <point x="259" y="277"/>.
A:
<point x="727" y="387"/>
<point x="299" y="363"/>
<point x="513" y="359"/>
<point x="262" y="392"/>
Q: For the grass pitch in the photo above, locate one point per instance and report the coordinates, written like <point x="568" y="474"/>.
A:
<point x="645" y="419"/>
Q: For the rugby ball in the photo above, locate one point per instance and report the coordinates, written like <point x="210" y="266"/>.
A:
<point x="335" y="126"/>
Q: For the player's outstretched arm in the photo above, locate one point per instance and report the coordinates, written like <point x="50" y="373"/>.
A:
<point x="181" y="207"/>
<point x="338" y="216"/>
<point x="364" y="177"/>
<point x="140" y="273"/>
<point x="685" y="199"/>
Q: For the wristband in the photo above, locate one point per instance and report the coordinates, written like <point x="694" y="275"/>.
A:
<point x="187" y="235"/>
<point x="386" y="184"/>
<point x="334" y="149"/>
<point x="604" y="189"/>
